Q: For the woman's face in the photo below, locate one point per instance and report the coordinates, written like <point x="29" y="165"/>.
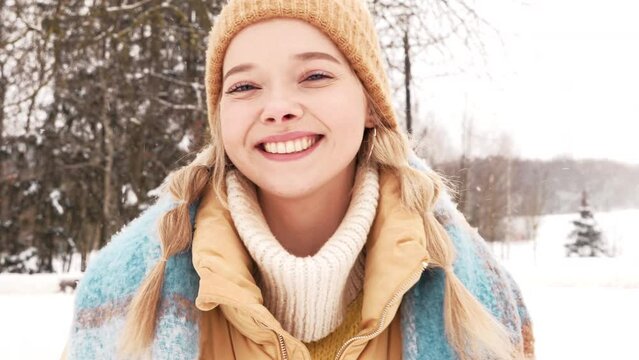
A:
<point x="292" y="111"/>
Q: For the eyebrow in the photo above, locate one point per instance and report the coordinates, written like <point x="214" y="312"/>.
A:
<point x="311" y="55"/>
<point x="316" y="55"/>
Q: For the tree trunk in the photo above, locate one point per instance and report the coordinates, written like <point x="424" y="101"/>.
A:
<point x="83" y="259"/>
<point x="109" y="152"/>
<point x="407" y="80"/>
<point x="464" y="164"/>
<point x="463" y="185"/>
<point x="3" y="92"/>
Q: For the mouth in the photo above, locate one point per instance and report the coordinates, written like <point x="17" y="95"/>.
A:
<point x="290" y="149"/>
<point x="300" y="144"/>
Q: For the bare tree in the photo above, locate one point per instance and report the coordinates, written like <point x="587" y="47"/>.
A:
<point x="432" y="143"/>
<point x="488" y="202"/>
<point x="533" y="206"/>
<point x="426" y="32"/>
<point x="3" y="78"/>
<point x="408" y="76"/>
<point x="468" y="133"/>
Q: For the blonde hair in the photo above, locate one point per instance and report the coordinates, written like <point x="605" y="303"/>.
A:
<point x="471" y="330"/>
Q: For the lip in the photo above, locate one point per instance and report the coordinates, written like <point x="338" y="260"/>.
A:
<point x="286" y="137"/>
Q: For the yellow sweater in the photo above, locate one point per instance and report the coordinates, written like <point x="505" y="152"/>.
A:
<point x="328" y="347"/>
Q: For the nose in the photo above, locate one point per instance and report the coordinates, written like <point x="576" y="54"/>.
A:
<point x="280" y="110"/>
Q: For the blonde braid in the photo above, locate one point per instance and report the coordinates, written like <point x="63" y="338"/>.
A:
<point x="185" y="185"/>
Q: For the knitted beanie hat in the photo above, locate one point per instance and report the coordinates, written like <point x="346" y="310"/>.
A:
<point x="348" y="23"/>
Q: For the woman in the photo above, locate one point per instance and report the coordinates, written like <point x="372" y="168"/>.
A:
<point x="306" y="229"/>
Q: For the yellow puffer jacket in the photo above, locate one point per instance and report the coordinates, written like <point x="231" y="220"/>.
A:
<point x="236" y="324"/>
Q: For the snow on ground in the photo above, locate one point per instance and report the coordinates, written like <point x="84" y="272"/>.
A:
<point x="584" y="322"/>
<point x="12" y="284"/>
<point x="34" y="326"/>
<point x="582" y="308"/>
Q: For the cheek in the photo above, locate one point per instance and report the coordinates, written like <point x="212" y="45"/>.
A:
<point x="234" y="127"/>
<point x="345" y="124"/>
<point x="345" y="111"/>
<point x="349" y="112"/>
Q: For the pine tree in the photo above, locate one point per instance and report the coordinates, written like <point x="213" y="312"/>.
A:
<point x="587" y="237"/>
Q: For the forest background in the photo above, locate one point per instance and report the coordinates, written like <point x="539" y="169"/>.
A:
<point x="100" y="100"/>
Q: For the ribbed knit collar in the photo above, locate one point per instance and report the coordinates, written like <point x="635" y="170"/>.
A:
<point x="308" y="295"/>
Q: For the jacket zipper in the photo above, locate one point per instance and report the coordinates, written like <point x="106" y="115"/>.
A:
<point x="402" y="290"/>
<point x="282" y="346"/>
<point x="280" y="339"/>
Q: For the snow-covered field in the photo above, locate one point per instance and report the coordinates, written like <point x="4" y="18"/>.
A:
<point x="582" y="308"/>
<point x="34" y="326"/>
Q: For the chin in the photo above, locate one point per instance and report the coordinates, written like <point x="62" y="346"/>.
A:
<point x="287" y="188"/>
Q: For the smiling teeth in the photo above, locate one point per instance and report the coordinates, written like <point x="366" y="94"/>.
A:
<point x="291" y="146"/>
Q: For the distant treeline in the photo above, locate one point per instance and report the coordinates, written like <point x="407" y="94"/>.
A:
<point x="556" y="185"/>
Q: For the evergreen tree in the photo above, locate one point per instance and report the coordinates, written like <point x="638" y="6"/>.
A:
<point x="587" y="236"/>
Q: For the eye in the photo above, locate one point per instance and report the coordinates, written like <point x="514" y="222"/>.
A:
<point x="318" y="76"/>
<point x="241" y="87"/>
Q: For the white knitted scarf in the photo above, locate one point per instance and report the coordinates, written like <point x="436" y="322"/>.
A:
<point x="308" y="295"/>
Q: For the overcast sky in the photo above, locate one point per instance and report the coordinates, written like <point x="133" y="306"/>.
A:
<point x="565" y="82"/>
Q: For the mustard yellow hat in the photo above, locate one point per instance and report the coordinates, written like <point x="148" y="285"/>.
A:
<point x="348" y="23"/>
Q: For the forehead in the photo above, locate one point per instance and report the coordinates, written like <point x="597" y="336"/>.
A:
<point x="279" y="37"/>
